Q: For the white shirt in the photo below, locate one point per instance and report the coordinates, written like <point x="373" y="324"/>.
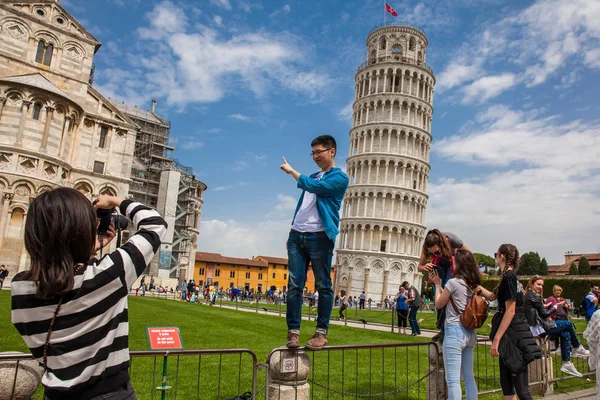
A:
<point x="307" y="218"/>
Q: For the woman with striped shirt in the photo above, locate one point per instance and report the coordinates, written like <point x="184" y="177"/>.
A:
<point x="72" y="310"/>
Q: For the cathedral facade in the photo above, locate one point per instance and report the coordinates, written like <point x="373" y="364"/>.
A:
<point x="55" y="128"/>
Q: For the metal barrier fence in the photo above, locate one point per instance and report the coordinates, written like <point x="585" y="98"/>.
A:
<point x="545" y="375"/>
<point x="184" y="374"/>
<point x="394" y="370"/>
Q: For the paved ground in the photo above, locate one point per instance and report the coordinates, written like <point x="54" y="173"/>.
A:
<point x="587" y="394"/>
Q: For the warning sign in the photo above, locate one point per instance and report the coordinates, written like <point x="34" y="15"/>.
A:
<point x="164" y="338"/>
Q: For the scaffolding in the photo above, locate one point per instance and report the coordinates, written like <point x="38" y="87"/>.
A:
<point x="153" y="155"/>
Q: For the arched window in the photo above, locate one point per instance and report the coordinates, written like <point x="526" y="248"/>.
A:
<point x="382" y="44"/>
<point x="44" y="53"/>
<point x="37" y="109"/>
<point x="411" y="44"/>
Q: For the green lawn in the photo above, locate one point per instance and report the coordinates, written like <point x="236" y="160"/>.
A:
<point x="211" y="376"/>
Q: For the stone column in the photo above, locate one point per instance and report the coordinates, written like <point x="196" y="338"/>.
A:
<point x="24" y="109"/>
<point x="366" y="283"/>
<point x="349" y="287"/>
<point x="2" y="101"/>
<point x="49" y="115"/>
<point x="62" y="135"/>
<point x="386" y="275"/>
<point x="4" y="217"/>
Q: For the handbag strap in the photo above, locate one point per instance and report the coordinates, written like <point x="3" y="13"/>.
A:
<point x="56" y="311"/>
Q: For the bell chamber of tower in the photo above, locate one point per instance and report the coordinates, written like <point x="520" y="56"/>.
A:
<point x="382" y="225"/>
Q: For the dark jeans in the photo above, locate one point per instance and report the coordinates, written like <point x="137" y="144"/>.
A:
<point x="566" y="333"/>
<point x="402" y="315"/>
<point x="317" y="249"/>
<point x="412" y="318"/>
<point x="125" y="393"/>
<point x="361" y="304"/>
<point x="342" y="309"/>
<point x="511" y="383"/>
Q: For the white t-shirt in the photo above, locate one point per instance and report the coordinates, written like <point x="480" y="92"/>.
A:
<point x="307" y="219"/>
<point x="316" y="296"/>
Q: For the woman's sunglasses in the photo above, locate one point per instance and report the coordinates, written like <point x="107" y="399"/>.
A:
<point x="436" y="254"/>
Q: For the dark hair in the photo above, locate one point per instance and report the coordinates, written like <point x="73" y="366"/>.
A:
<point x="60" y="232"/>
<point x="343" y="292"/>
<point x="466" y="268"/>
<point x="436" y="238"/>
<point x="325" y="140"/>
<point x="511" y="257"/>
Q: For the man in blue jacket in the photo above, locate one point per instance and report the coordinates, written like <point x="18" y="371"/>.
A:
<point x="312" y="237"/>
<point x="591" y="302"/>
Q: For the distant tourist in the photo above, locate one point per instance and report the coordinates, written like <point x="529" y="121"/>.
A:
<point x="591" y="301"/>
<point x="521" y="348"/>
<point x="414" y="303"/>
<point x="3" y="275"/>
<point x="401" y="309"/>
<point x="361" y="299"/>
<point x="369" y="303"/>
<point x="315" y="226"/>
<point x="459" y="341"/>
<point x="343" y="304"/>
<point x="71" y="308"/>
<point x="541" y="325"/>
<point x="592" y="336"/>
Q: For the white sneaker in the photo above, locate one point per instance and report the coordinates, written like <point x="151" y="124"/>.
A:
<point x="569" y="368"/>
<point x="581" y="352"/>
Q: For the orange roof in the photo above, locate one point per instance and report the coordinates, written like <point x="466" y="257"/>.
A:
<point x="558" y="268"/>
<point x="217" y="258"/>
<point x="273" y="260"/>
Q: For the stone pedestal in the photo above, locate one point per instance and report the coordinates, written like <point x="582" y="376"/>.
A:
<point x="288" y="372"/>
<point x="29" y="376"/>
<point x="436" y="381"/>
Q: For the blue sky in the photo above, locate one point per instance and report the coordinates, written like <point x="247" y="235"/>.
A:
<point x="516" y="150"/>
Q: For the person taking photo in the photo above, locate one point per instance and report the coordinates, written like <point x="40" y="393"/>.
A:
<point x="70" y="307"/>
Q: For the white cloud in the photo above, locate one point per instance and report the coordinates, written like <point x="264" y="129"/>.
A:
<point x="286" y="9"/>
<point x="240" y="165"/>
<point x="218" y="20"/>
<point x="194" y="64"/>
<point x="236" y="239"/>
<point x="346" y="112"/>
<point x="227" y="187"/>
<point x="191" y="143"/>
<point x="240" y="117"/>
<point x="214" y="130"/>
<point x="222" y="3"/>
<point x="542" y="194"/>
<point x="488" y="87"/>
<point x="535" y="44"/>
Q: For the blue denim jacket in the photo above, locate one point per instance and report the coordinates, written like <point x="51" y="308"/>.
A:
<point x="330" y="191"/>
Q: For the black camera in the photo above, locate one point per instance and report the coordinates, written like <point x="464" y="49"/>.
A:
<point x="106" y="216"/>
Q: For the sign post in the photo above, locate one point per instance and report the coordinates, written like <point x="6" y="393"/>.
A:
<point x="164" y="338"/>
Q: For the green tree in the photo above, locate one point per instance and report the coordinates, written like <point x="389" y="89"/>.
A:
<point x="573" y="269"/>
<point x="487" y="260"/>
<point x="544" y="267"/>
<point x="584" y="267"/>
<point x="529" y="264"/>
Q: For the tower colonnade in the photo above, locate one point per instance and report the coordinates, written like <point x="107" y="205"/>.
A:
<point x="382" y="225"/>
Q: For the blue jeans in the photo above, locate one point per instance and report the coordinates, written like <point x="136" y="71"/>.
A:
<point x="317" y="249"/>
<point x="459" y="347"/>
<point x="412" y="318"/>
<point x="565" y="331"/>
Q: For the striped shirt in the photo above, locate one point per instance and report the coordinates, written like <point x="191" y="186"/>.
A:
<point x="89" y="349"/>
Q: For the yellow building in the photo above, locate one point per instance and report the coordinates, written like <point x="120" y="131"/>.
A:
<point x="258" y="273"/>
<point x="229" y="272"/>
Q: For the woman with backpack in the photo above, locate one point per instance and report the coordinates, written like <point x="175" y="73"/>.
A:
<point x="542" y="325"/>
<point x="512" y="340"/>
<point x="459" y="342"/>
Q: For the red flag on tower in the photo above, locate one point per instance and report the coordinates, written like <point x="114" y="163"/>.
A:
<point x="389" y="9"/>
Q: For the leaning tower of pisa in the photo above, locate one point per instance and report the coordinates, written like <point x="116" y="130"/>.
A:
<point x="382" y="226"/>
